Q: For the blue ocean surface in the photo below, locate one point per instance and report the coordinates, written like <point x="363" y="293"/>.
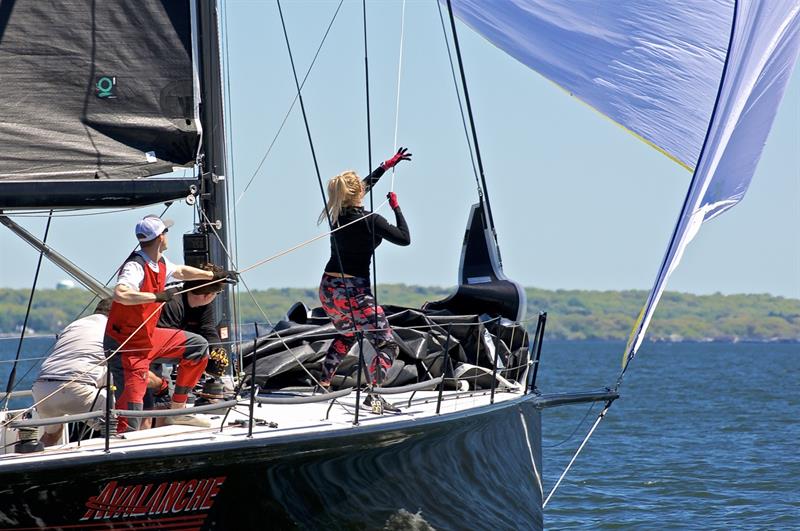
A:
<point x="31" y="354"/>
<point x="705" y="435"/>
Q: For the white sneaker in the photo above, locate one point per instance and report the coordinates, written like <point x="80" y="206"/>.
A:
<point x="188" y="420"/>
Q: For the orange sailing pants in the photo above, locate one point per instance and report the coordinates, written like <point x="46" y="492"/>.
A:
<point x="130" y="367"/>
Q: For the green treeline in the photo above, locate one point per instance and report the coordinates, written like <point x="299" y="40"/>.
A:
<point x="572" y="314"/>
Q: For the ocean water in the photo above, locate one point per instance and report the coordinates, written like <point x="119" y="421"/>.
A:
<point x="704" y="436"/>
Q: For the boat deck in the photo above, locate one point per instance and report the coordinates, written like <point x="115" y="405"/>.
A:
<point x="273" y="423"/>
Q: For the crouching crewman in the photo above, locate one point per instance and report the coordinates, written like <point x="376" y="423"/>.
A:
<point x="72" y="378"/>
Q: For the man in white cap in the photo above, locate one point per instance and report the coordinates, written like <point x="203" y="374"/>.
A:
<point x="131" y="330"/>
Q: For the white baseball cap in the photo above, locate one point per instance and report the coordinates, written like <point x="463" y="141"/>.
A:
<point x="151" y="227"/>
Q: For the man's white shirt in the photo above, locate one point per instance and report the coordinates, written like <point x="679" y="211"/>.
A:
<point x="132" y="274"/>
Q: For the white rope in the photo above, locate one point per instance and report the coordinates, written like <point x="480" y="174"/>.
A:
<point x="96" y="364"/>
<point x="263" y="313"/>
<point x="530" y="453"/>
<point x="399" y="76"/>
<point x="308" y="242"/>
<point x="585" y="440"/>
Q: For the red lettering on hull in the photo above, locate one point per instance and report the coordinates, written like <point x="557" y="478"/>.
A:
<point x="172" y="497"/>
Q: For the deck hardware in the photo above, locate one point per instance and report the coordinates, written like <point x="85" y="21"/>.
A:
<point x="28" y="441"/>
<point x="494" y="365"/>
<point x="253" y="386"/>
<point x="360" y="338"/>
<point x="110" y="424"/>
<point x="446" y="362"/>
<point x="537" y="348"/>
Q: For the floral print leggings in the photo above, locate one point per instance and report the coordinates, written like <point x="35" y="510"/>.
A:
<point x="359" y="305"/>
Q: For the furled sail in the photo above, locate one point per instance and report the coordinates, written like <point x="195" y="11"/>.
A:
<point x="96" y="89"/>
<point x="699" y="80"/>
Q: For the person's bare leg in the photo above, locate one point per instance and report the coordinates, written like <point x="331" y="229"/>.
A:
<point x="51" y="439"/>
<point x="154" y="382"/>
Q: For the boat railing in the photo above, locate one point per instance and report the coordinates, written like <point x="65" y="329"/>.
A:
<point x="133" y="413"/>
<point x="535" y="352"/>
<point x="304" y="399"/>
<point x="418" y="386"/>
<point x="526" y="383"/>
<point x="52" y="421"/>
<point x="16" y="394"/>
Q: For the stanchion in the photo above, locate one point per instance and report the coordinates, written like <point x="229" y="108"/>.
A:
<point x="445" y="364"/>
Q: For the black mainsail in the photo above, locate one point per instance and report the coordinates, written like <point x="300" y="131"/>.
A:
<point x="96" y="92"/>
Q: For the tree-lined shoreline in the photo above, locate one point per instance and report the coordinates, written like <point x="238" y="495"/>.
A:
<point x="572" y="314"/>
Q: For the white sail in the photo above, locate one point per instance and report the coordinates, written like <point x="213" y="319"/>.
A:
<point x="652" y="66"/>
<point x="763" y="52"/>
<point x="699" y="80"/>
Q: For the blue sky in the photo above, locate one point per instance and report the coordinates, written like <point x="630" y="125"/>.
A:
<point x="579" y="203"/>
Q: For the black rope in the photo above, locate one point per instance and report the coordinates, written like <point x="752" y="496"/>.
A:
<point x="13" y="375"/>
<point x="472" y="126"/>
<point x="460" y="105"/>
<point x="369" y="164"/>
<point x="577" y="427"/>
<point x="288" y="112"/>
<point x="230" y="207"/>
<point x="334" y="245"/>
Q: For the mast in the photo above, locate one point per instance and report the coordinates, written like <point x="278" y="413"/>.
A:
<point x="211" y="239"/>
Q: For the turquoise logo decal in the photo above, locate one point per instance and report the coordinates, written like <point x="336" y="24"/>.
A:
<point x="106" y="87"/>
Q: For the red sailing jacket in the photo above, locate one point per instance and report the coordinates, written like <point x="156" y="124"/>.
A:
<point x="123" y="320"/>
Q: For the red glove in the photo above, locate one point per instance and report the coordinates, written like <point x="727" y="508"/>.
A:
<point x="393" y="200"/>
<point x="402" y="154"/>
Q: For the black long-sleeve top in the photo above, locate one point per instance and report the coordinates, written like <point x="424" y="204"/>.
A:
<point x="355" y="242"/>
<point x="200" y="320"/>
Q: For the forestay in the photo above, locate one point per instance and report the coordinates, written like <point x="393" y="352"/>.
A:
<point x="699" y="80"/>
<point x="96" y="90"/>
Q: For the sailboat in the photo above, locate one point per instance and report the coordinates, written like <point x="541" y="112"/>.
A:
<point x="127" y="91"/>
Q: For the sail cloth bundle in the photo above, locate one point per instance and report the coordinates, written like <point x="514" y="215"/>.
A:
<point x="476" y="344"/>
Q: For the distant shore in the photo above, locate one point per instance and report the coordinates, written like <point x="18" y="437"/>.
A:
<point x="572" y="314"/>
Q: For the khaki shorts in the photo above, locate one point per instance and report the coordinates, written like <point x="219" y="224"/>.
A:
<point x="69" y="398"/>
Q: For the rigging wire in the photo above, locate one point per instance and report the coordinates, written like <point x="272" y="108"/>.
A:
<point x="307" y="242"/>
<point x="369" y="165"/>
<point x="267" y="319"/>
<point x="600" y="417"/>
<point x="291" y="107"/>
<point x="460" y="104"/>
<point x="231" y="208"/>
<point x="472" y="127"/>
<point x="335" y="246"/>
<point x="399" y="77"/>
<point x="574" y="431"/>
<point x="13" y="374"/>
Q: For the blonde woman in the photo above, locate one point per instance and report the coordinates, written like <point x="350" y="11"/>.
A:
<point x="345" y="291"/>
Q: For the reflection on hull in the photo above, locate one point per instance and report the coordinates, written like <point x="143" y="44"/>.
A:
<point x="476" y="471"/>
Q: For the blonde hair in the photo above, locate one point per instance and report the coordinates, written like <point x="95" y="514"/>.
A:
<point x="344" y="190"/>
